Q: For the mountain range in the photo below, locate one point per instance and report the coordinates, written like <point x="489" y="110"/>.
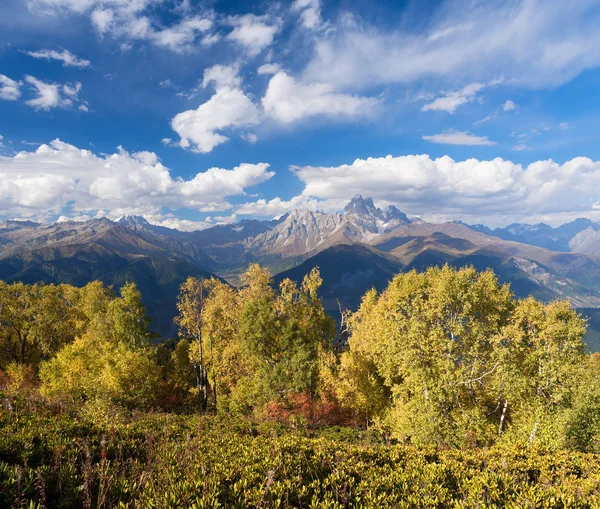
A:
<point x="362" y="247"/>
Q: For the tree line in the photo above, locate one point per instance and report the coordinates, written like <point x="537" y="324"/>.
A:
<point x="445" y="356"/>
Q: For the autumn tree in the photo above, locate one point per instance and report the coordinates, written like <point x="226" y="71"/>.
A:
<point x="35" y="321"/>
<point x="256" y="343"/>
<point x="449" y="356"/>
<point x="190" y="305"/>
<point x="111" y="364"/>
<point x="540" y="368"/>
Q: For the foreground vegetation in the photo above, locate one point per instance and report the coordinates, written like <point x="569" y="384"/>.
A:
<point x="441" y="391"/>
<point x="171" y="461"/>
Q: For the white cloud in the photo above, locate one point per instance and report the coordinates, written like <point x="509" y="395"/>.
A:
<point x="486" y="119"/>
<point x="9" y="89"/>
<point x="445" y="32"/>
<point x="210" y="39"/>
<point x="222" y="76"/>
<point x="452" y="137"/>
<point x="53" y="95"/>
<point x="269" y="68"/>
<point x="48" y="94"/>
<point x="450" y="101"/>
<point x="82" y="6"/>
<point x="509" y="106"/>
<point x="179" y="37"/>
<point x="276" y="207"/>
<point x="184" y="225"/>
<point x="310" y="13"/>
<point x="254" y="33"/>
<point x="103" y="20"/>
<point x="131" y="20"/>
<point x="288" y="100"/>
<point x="533" y="43"/>
<point x="498" y="190"/>
<point x="66" y="57"/>
<point x="201" y="130"/>
<point x="43" y="182"/>
<point x="249" y="137"/>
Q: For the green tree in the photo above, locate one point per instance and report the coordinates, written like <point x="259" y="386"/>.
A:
<point x="540" y="368"/>
<point x="35" y="321"/>
<point x="111" y="364"/>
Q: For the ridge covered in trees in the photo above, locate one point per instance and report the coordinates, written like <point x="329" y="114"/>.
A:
<point x="445" y="359"/>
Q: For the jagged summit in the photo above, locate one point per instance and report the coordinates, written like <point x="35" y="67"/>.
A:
<point x="364" y="207"/>
<point x="361" y="206"/>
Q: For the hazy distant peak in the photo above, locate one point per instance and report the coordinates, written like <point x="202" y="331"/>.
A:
<point x="132" y="220"/>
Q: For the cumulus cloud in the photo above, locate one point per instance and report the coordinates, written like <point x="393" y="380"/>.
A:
<point x="450" y="101"/>
<point x="277" y="207"/>
<point x="202" y="129"/>
<point x="65" y="56"/>
<point x="509" y="106"/>
<point x="222" y="76"/>
<point x="288" y="100"/>
<point x="53" y="95"/>
<point x="187" y="225"/>
<point x="44" y="182"/>
<point x="9" y="89"/>
<point x="533" y="43"/>
<point x="497" y="190"/>
<point x="452" y="137"/>
<point x="253" y="33"/>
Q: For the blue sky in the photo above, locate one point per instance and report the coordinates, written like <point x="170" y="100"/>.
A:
<point x="194" y="113"/>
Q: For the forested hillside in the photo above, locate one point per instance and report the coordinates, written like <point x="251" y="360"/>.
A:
<point x="441" y="360"/>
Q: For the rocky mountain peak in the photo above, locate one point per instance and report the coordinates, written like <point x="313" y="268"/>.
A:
<point x="131" y="220"/>
<point x="365" y="208"/>
<point x="361" y="207"/>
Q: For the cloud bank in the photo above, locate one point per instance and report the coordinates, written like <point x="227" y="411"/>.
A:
<point x="495" y="191"/>
<point x="59" y="176"/>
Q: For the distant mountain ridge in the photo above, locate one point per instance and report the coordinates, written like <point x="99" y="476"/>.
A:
<point x="580" y="235"/>
<point x="362" y="247"/>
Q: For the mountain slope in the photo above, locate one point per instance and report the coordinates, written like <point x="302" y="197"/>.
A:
<point x="348" y="271"/>
<point x="77" y="253"/>
<point x="530" y="269"/>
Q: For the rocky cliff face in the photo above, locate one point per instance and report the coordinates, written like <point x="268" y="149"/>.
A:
<point x="304" y="231"/>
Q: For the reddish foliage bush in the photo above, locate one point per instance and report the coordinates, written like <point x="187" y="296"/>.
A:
<point x="300" y="406"/>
